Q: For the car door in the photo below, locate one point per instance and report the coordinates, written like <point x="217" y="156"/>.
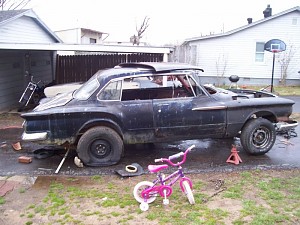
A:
<point x="137" y="118"/>
<point x="190" y="117"/>
<point x="133" y="113"/>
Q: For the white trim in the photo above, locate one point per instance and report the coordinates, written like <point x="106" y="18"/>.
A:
<point x="87" y="48"/>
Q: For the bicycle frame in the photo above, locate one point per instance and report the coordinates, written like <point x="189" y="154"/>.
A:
<point x="145" y="192"/>
<point x="160" y="184"/>
<point x="27" y="94"/>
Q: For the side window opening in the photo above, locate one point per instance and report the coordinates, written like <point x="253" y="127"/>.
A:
<point x="112" y="91"/>
<point x="159" y="87"/>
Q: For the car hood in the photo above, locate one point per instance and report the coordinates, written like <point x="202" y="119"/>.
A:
<point x="58" y="100"/>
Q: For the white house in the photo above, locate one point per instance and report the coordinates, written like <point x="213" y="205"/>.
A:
<point x="23" y="27"/>
<point x="241" y="51"/>
<point x="81" y="36"/>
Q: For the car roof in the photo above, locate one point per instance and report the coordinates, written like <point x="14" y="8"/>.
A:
<point x="160" y="66"/>
<point x="140" y="68"/>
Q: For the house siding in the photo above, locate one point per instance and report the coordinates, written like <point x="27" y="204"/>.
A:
<point x="70" y="36"/>
<point x="237" y="51"/>
<point x="79" y="36"/>
<point x="11" y="80"/>
<point x="24" y="30"/>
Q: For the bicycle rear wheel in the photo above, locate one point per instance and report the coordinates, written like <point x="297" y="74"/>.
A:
<point x="137" y="192"/>
<point x="188" y="192"/>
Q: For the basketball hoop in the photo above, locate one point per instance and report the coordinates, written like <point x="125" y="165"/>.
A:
<point x="274" y="46"/>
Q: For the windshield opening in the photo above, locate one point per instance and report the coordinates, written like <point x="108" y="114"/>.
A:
<point x="87" y="89"/>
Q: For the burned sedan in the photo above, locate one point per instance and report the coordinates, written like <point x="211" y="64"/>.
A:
<point x="154" y="102"/>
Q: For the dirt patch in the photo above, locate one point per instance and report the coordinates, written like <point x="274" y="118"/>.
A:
<point x="10" y="129"/>
<point x="10" y="120"/>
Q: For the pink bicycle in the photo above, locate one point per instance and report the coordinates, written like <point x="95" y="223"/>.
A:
<point x="145" y="192"/>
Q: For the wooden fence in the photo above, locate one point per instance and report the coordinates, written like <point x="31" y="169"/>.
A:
<point x="79" y="68"/>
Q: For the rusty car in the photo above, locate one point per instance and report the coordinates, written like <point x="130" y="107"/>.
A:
<point x="136" y="103"/>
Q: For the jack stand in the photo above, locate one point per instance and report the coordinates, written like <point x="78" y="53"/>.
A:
<point x="234" y="157"/>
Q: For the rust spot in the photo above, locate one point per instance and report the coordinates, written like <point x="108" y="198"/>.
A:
<point x="283" y="119"/>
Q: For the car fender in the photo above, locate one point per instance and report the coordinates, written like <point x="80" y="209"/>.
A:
<point x="236" y="123"/>
<point x="99" y="122"/>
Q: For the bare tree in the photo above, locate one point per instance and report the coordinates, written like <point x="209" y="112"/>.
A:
<point x="13" y="4"/>
<point x="221" y="65"/>
<point x="284" y="60"/>
<point x="135" y="39"/>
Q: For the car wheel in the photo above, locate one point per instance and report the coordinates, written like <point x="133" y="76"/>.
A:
<point x="100" y="146"/>
<point x="258" y="136"/>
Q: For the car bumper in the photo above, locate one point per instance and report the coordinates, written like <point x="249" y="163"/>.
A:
<point x="34" y="136"/>
<point x="285" y="126"/>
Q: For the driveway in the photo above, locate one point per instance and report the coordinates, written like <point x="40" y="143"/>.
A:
<point x="208" y="155"/>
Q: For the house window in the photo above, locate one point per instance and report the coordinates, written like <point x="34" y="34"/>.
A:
<point x="93" y="41"/>
<point x="259" y="52"/>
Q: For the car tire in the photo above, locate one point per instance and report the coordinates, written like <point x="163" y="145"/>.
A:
<point x="258" y="136"/>
<point x="100" y="146"/>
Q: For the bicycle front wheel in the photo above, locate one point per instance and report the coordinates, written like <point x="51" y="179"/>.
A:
<point x="137" y="192"/>
<point x="188" y="192"/>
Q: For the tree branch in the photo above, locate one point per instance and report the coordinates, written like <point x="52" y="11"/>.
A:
<point x="143" y="27"/>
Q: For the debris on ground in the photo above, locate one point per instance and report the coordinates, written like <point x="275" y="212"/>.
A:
<point x="16" y="146"/>
<point x="78" y="162"/>
<point x="25" y="159"/>
<point x="125" y="173"/>
<point x="288" y="133"/>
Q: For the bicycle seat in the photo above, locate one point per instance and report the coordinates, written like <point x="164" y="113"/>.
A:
<point x="156" y="168"/>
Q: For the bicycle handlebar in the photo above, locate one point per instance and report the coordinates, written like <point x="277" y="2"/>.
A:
<point x="176" y="156"/>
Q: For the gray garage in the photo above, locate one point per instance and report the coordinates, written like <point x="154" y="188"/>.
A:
<point x="23" y="27"/>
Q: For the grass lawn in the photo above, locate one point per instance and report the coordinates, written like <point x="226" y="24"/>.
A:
<point x="250" y="197"/>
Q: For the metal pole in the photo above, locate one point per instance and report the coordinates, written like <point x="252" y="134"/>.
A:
<point x="62" y="161"/>
<point x="273" y="72"/>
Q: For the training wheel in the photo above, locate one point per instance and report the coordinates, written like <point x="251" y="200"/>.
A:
<point x="144" y="206"/>
<point x="166" y="202"/>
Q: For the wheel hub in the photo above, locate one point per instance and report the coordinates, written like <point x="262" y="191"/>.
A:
<point x="260" y="137"/>
<point x="100" y="148"/>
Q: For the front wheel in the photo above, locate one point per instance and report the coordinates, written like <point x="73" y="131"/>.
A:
<point x="100" y="146"/>
<point x="137" y="192"/>
<point x="258" y="136"/>
<point x="188" y="191"/>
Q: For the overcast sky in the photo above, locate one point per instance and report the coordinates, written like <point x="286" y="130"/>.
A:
<point x="171" y="21"/>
